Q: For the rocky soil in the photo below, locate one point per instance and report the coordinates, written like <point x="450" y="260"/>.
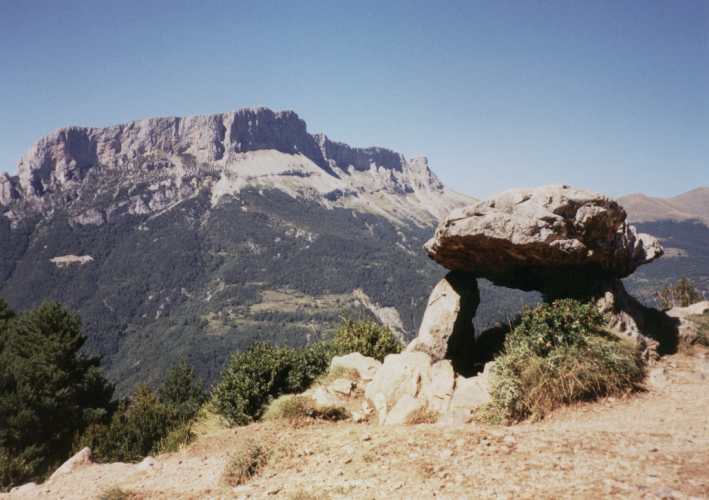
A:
<point x="651" y="445"/>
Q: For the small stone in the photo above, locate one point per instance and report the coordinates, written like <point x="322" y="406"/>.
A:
<point x="366" y="437"/>
<point x="341" y="386"/>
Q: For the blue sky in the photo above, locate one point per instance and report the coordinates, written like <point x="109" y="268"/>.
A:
<point x="608" y="95"/>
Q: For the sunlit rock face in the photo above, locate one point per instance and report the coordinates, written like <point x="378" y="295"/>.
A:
<point x="524" y="238"/>
<point x="222" y="155"/>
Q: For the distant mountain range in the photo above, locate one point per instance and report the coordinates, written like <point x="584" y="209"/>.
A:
<point x="682" y="224"/>
<point x="198" y="236"/>
<point x="691" y="205"/>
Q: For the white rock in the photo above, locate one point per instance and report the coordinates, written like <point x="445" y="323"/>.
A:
<point x="365" y="366"/>
<point x="24" y="489"/>
<point x="400" y="375"/>
<point x="439" y="390"/>
<point x="471" y="393"/>
<point x="405" y="407"/>
<point x="81" y="458"/>
<point x="341" y="386"/>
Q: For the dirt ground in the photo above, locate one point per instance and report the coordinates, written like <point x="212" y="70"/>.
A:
<point x="654" y="444"/>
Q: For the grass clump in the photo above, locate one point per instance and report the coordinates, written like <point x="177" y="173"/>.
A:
<point x="558" y="354"/>
<point x="300" y="408"/>
<point x="423" y="415"/>
<point x="117" y="493"/>
<point x="702" y="323"/>
<point x="246" y="462"/>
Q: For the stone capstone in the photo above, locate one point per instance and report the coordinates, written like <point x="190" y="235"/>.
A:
<point x="521" y="236"/>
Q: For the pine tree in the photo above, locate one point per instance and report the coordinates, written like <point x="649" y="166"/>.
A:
<point x="182" y="390"/>
<point x="49" y="391"/>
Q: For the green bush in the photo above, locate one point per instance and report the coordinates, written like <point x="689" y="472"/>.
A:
<point x="254" y="377"/>
<point x="368" y="338"/>
<point x="49" y="391"/>
<point x="559" y="354"/>
<point x="681" y="294"/>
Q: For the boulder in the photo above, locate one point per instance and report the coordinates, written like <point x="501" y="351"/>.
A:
<point x="365" y="366"/>
<point x="469" y="395"/>
<point x="81" y="458"/>
<point x="403" y="409"/>
<point x="446" y="329"/>
<point x="400" y="375"/>
<point x="323" y="397"/>
<point x="341" y="386"/>
<point x="518" y="237"/>
<point x="439" y="390"/>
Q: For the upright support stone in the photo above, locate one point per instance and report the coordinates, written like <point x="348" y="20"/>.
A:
<point x="446" y="330"/>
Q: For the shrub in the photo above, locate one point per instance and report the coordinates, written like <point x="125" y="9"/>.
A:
<point x="254" y="377"/>
<point x="681" y="294"/>
<point x="369" y="338"/>
<point x="247" y="461"/>
<point x="49" y="391"/>
<point x="559" y="354"/>
<point x="298" y="408"/>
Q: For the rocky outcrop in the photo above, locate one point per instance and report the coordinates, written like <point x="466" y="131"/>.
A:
<point x="522" y="236"/>
<point x="80" y="459"/>
<point x="8" y="189"/>
<point x="412" y="381"/>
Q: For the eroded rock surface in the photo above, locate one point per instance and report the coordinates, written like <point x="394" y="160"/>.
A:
<point x="523" y="236"/>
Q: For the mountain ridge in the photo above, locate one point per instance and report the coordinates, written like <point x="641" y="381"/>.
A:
<point x="225" y="143"/>
<point x="693" y="204"/>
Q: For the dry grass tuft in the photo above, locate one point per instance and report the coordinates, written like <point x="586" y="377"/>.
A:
<point x="423" y="415"/>
<point x="299" y="409"/>
<point x="246" y="462"/>
<point x="116" y="493"/>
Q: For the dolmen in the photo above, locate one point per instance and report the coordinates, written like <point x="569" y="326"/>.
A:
<point x="558" y="240"/>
